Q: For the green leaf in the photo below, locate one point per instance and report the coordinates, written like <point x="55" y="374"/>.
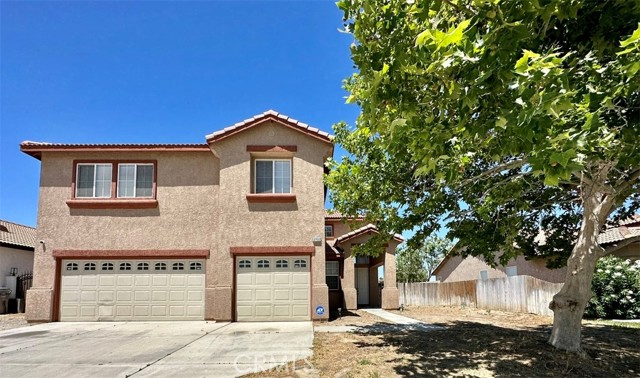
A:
<point x="501" y="122"/>
<point x="454" y="35"/>
<point x="523" y="63"/>
<point x="551" y="180"/>
<point x="634" y="38"/>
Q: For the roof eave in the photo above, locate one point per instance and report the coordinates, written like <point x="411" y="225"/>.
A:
<point x="266" y="117"/>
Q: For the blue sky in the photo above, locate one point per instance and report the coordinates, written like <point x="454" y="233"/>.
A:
<point x="158" y="72"/>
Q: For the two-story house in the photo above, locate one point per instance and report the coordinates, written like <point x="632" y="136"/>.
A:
<point x="233" y="229"/>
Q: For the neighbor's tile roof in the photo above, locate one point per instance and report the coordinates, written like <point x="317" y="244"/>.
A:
<point x="363" y="230"/>
<point x="17" y="234"/>
<point x="270" y="115"/>
<point x="330" y="214"/>
<point x="35" y="149"/>
<point x="613" y="235"/>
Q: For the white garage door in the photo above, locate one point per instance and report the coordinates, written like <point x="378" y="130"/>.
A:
<point x="273" y="288"/>
<point x="118" y="290"/>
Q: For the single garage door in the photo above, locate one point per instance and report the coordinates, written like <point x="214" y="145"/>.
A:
<point x="273" y="288"/>
<point x="118" y="290"/>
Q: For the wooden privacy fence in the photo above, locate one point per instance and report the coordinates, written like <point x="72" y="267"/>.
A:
<point x="514" y="294"/>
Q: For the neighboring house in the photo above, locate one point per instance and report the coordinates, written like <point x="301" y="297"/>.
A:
<point x="227" y="230"/>
<point x="623" y="240"/>
<point x="17" y="243"/>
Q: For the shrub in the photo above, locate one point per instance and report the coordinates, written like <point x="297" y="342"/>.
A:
<point x="616" y="290"/>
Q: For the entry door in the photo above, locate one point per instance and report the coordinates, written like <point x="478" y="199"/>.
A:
<point x="362" y="285"/>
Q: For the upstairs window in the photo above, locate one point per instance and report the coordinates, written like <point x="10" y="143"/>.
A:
<point x="272" y="176"/>
<point x="328" y="230"/>
<point x="93" y="181"/>
<point x="135" y="180"/>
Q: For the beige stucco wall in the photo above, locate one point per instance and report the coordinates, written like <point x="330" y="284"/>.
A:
<point x="458" y="269"/>
<point x="241" y="223"/>
<point x="187" y="186"/>
<point x="14" y="258"/>
<point x="631" y="251"/>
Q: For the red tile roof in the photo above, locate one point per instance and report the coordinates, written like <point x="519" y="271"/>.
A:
<point x="273" y="116"/>
<point x="13" y="234"/>
<point x="331" y="214"/>
<point x="35" y="149"/>
<point x="361" y="231"/>
<point x="628" y="228"/>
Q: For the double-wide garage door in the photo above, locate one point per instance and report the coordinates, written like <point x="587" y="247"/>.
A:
<point x="118" y="290"/>
<point x="273" y="288"/>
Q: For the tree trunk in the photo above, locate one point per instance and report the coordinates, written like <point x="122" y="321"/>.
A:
<point x="568" y="305"/>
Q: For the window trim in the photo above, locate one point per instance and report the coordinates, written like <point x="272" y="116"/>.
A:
<point x="273" y="177"/>
<point x="113" y="202"/>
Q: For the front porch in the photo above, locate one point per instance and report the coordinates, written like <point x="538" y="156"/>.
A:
<point x="359" y="285"/>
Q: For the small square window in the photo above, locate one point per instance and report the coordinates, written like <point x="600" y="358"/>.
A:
<point x="125" y="266"/>
<point x="177" y="266"/>
<point x="272" y="176"/>
<point x="143" y="266"/>
<point x="328" y="230"/>
<point x="160" y="266"/>
<point x="282" y="264"/>
<point x="263" y="263"/>
<point x="300" y="264"/>
<point x="90" y="266"/>
<point x="195" y="266"/>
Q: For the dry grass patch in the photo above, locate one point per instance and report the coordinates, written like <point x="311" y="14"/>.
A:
<point x="473" y="343"/>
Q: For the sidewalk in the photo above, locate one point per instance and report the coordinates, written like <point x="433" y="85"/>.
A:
<point x="399" y="324"/>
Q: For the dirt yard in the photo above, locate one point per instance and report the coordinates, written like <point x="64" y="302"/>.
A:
<point x="472" y="343"/>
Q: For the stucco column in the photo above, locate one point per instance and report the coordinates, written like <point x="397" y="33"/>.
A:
<point x="390" y="291"/>
<point x="40" y="297"/>
<point x="320" y="292"/>
<point x="348" y="281"/>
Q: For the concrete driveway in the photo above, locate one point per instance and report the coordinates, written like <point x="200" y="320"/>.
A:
<point x="177" y="349"/>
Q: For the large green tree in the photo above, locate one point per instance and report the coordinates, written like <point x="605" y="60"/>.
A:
<point x="500" y="118"/>
<point x="416" y="264"/>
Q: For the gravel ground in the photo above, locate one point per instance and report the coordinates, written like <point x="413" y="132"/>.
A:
<point x="10" y="321"/>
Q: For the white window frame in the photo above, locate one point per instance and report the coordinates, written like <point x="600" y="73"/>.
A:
<point x="326" y="226"/>
<point x="135" y="179"/>
<point x="335" y="273"/>
<point x="95" y="171"/>
<point x="273" y="175"/>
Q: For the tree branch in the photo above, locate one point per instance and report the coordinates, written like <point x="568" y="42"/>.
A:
<point x="499" y="168"/>
<point x="622" y="185"/>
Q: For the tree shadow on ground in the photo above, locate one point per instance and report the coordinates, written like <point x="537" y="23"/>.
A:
<point x="474" y="349"/>
<point x="344" y="315"/>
